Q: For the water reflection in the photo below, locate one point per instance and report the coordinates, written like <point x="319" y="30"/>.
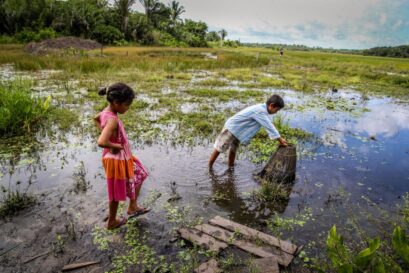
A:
<point x="386" y="120"/>
<point x="243" y="209"/>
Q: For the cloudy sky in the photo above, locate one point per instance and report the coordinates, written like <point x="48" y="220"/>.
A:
<point x="326" y="23"/>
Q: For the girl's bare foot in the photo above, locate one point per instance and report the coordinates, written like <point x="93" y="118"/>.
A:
<point x="116" y="223"/>
<point x="136" y="209"/>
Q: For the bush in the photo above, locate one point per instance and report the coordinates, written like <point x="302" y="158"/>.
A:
<point x="4" y="39"/>
<point x="167" y="39"/>
<point x="25" y="36"/>
<point x="19" y="112"/>
<point x="107" y="34"/>
<point x="44" y="34"/>
<point x="122" y="42"/>
<point x="394" y="258"/>
<point x="231" y="43"/>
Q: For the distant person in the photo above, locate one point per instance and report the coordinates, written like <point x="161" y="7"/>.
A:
<point x="281" y="51"/>
<point x="124" y="172"/>
<point x="244" y="125"/>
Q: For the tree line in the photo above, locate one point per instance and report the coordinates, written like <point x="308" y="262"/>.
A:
<point x="109" y="23"/>
<point x="389" y="51"/>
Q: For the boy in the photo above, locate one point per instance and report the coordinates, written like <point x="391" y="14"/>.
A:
<point x="244" y="125"/>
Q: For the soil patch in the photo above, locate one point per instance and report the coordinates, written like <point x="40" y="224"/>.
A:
<point x="51" y="45"/>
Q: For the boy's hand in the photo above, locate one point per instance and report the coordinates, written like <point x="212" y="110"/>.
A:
<point x="282" y="141"/>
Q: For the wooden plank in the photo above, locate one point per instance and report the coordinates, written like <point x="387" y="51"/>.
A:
<point x="36" y="256"/>
<point x="77" y="265"/>
<point x="263" y="265"/>
<point x="282" y="257"/>
<point x="202" y="239"/>
<point x="254" y="234"/>
<point x="266" y="265"/>
<point x="211" y="266"/>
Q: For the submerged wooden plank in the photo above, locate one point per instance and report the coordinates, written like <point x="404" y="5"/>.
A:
<point x="69" y="267"/>
<point x="282" y="257"/>
<point x="263" y="265"/>
<point x="202" y="239"/>
<point x="254" y="234"/>
<point x="211" y="266"/>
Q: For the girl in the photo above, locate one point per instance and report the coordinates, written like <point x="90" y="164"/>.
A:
<point x="124" y="173"/>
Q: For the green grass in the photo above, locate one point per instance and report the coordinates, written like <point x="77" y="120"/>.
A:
<point x="13" y="201"/>
<point x="20" y="113"/>
<point x="64" y="118"/>
<point x="302" y="71"/>
<point x="225" y="95"/>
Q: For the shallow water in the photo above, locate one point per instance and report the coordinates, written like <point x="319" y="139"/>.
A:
<point x="361" y="147"/>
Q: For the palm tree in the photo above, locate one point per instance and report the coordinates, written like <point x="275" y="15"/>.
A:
<point x="151" y="7"/>
<point x="124" y="6"/>
<point x="223" y="34"/>
<point x="175" y="11"/>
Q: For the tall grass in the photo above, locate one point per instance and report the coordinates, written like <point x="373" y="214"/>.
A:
<point x="19" y="111"/>
<point x="303" y="71"/>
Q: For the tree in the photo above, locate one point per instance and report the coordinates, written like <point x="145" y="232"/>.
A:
<point x="82" y="16"/>
<point x="151" y="7"/>
<point x="213" y="36"/>
<point x="223" y="34"/>
<point x="107" y="34"/>
<point x="124" y="7"/>
<point x="175" y="11"/>
<point x="194" y="33"/>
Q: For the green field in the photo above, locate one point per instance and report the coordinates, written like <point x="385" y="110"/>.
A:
<point x="229" y="74"/>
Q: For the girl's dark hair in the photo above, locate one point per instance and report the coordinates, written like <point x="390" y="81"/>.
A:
<point x="118" y="92"/>
<point x="276" y="100"/>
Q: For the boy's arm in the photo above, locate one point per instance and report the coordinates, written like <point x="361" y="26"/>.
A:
<point x="272" y="132"/>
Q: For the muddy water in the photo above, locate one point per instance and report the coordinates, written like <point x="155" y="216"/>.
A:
<point x="360" y="153"/>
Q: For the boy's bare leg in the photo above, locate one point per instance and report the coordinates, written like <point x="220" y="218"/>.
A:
<point x="232" y="157"/>
<point x="213" y="157"/>
<point x="113" y="209"/>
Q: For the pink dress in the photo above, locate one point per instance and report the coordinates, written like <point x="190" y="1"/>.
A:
<point x="124" y="172"/>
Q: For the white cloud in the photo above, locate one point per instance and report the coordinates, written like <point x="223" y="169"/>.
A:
<point x="329" y="23"/>
<point x="382" y="18"/>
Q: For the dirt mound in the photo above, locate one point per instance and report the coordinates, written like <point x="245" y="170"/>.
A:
<point x="51" y="45"/>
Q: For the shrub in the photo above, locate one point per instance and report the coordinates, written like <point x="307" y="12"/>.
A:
<point x="28" y="35"/>
<point x="44" y="34"/>
<point x="25" y="36"/>
<point x="4" y="39"/>
<point x="19" y="112"/>
<point x="370" y="259"/>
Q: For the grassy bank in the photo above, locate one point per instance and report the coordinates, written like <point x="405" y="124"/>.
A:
<point x="251" y="67"/>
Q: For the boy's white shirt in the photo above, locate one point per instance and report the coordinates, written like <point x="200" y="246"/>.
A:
<point x="245" y="124"/>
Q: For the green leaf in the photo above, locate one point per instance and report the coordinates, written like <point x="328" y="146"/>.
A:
<point x="345" y="268"/>
<point x="46" y="104"/>
<point x="378" y="266"/>
<point x="364" y="258"/>
<point x="400" y="244"/>
<point x="337" y="252"/>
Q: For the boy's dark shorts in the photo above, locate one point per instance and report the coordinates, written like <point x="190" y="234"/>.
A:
<point x="226" y="140"/>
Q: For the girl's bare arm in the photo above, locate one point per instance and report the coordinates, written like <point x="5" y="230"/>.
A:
<point x="103" y="140"/>
<point x="97" y="121"/>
